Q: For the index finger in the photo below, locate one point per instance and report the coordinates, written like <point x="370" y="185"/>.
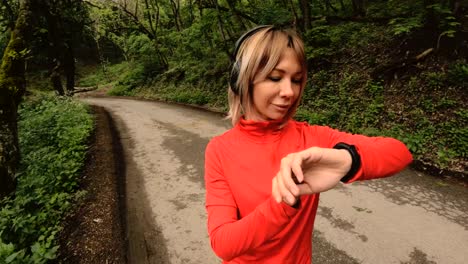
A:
<point x="287" y="175"/>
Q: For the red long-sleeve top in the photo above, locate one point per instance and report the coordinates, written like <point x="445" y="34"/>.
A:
<point x="245" y="224"/>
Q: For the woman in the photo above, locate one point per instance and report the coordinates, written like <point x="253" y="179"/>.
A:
<point x="263" y="177"/>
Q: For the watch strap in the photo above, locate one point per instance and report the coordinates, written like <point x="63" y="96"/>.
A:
<point x="355" y="157"/>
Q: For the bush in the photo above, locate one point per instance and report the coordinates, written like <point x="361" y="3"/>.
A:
<point x="52" y="136"/>
<point x="458" y="74"/>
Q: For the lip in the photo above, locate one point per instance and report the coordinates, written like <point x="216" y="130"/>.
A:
<point x="281" y="107"/>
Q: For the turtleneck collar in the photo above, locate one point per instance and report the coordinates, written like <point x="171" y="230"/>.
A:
<point x="261" y="131"/>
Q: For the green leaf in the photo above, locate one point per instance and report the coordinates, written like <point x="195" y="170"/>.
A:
<point x="12" y="257"/>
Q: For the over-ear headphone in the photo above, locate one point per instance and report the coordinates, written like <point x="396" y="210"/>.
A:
<point x="237" y="64"/>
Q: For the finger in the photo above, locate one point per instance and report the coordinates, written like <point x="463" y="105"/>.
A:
<point x="312" y="155"/>
<point x="274" y="190"/>
<point x="296" y="168"/>
<point x="284" y="192"/>
<point x="290" y="200"/>
<point x="305" y="189"/>
<point x="287" y="176"/>
<point x="319" y="183"/>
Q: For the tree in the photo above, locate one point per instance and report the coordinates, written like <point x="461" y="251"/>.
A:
<point x="65" y="22"/>
<point x="147" y="20"/>
<point x="8" y="13"/>
<point x="359" y="7"/>
<point x="56" y="44"/>
<point x="12" y="88"/>
<point x="306" y="17"/>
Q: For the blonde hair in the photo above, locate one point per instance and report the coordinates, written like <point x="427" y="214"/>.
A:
<point x="257" y="56"/>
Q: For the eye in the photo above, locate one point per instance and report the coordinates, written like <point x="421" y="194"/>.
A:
<point x="297" y="81"/>
<point x="274" y="78"/>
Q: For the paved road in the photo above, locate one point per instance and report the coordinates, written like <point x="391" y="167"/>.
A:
<point x="409" y="218"/>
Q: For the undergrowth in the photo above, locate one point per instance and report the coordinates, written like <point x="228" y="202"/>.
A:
<point x="53" y="133"/>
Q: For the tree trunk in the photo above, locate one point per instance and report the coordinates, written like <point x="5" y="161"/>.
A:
<point x="149" y="15"/>
<point x="175" y="12"/>
<point x="191" y="15"/>
<point x="293" y="9"/>
<point x="330" y="6"/>
<point x="459" y="8"/>
<point x="359" y="7"/>
<point x="232" y="7"/>
<point x="12" y="88"/>
<point x="56" y="46"/>
<point x="102" y="60"/>
<point x="221" y="30"/>
<point x="305" y="8"/>
<point x="69" y="66"/>
<point x="343" y="7"/>
<point x="431" y="18"/>
<point x="56" y="79"/>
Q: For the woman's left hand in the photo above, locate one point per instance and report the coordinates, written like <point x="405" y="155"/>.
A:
<point x="315" y="169"/>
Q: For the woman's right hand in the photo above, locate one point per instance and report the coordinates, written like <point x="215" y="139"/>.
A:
<point x="316" y="170"/>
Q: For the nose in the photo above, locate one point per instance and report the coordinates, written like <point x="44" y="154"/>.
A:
<point x="286" y="89"/>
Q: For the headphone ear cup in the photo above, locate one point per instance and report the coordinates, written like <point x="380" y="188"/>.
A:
<point x="236" y="66"/>
<point x="233" y="78"/>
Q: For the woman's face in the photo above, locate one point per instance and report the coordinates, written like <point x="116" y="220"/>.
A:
<point x="274" y="96"/>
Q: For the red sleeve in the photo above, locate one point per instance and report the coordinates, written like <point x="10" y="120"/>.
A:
<point x="380" y="156"/>
<point x="229" y="236"/>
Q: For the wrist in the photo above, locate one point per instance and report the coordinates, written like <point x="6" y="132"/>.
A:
<point x="355" y="160"/>
<point x="346" y="160"/>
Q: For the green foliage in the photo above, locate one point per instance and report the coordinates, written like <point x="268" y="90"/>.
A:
<point x="319" y="41"/>
<point x="187" y="59"/>
<point x="418" y="139"/>
<point x="132" y="79"/>
<point x="310" y="117"/>
<point x="401" y="26"/>
<point x="458" y="74"/>
<point x="395" y="8"/>
<point x="268" y="13"/>
<point x="99" y="77"/>
<point x="139" y="45"/>
<point x="142" y="72"/>
<point x="447" y="21"/>
<point x="406" y="16"/>
<point x="346" y="102"/>
<point x="435" y="80"/>
<point x="457" y="134"/>
<point x="8" y="13"/>
<point x="4" y="38"/>
<point x="52" y="133"/>
<point x="68" y="27"/>
<point x="94" y="76"/>
<point x="324" y="40"/>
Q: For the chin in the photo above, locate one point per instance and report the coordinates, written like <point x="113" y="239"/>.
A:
<point x="276" y="117"/>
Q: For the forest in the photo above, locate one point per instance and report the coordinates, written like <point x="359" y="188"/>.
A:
<point x="378" y="67"/>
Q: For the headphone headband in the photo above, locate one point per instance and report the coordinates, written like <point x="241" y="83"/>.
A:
<point x="236" y="66"/>
<point x="245" y="36"/>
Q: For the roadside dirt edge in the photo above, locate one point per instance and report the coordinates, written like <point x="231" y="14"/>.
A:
<point x="95" y="231"/>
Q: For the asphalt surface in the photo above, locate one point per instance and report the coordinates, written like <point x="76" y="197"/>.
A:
<point x="408" y="218"/>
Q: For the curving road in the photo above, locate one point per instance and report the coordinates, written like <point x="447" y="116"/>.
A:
<point x="409" y="218"/>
